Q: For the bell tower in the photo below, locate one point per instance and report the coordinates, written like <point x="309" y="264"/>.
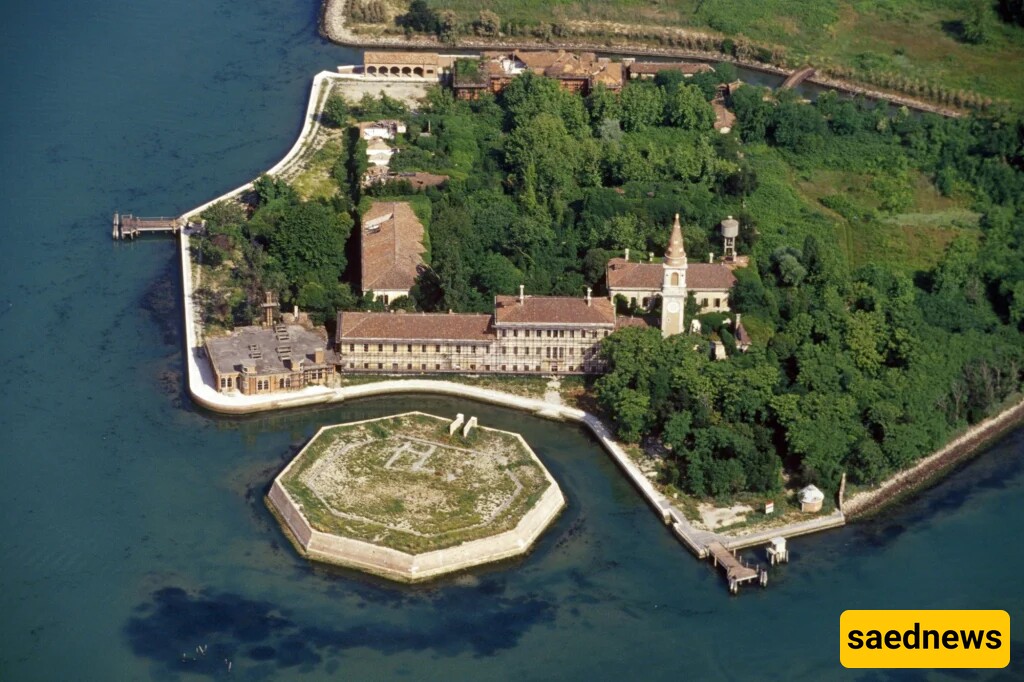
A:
<point x="673" y="283"/>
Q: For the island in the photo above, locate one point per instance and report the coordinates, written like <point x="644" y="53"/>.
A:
<point x="414" y="496"/>
<point x="774" y="313"/>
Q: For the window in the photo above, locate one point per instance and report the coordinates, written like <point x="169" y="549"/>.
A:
<point x="487" y="368"/>
<point x="718" y="303"/>
<point x="408" y="349"/>
<point x="572" y="334"/>
<point x="380" y="347"/>
<point x="423" y="348"/>
<point x="437" y="349"/>
<point x="606" y="333"/>
<point x="549" y="333"/>
<point x="458" y="349"/>
<point x="351" y="365"/>
<point x="561" y="333"/>
<point x="527" y="333"/>
<point x="593" y="335"/>
<point x="351" y="348"/>
<point x="437" y="366"/>
<point x="515" y="368"/>
<point x="472" y="366"/>
<point x="547" y="352"/>
<point x="504" y="368"/>
<point x="571" y="368"/>
<point x="409" y="366"/>
<point x="572" y="351"/>
<point x="423" y="365"/>
<point x="366" y="365"/>
<point x="366" y="347"/>
<point x="380" y="365"/>
<point x="515" y="333"/>
<point x="504" y="332"/>
<point x="394" y="365"/>
<point x="394" y="348"/>
<point x="675" y="279"/>
<point x="538" y="350"/>
<point x="515" y="350"/>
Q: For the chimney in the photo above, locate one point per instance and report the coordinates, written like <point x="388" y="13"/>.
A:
<point x="522" y="294"/>
<point x="318" y="356"/>
<point x="588" y="295"/>
<point x="627" y="253"/>
<point x="711" y="258"/>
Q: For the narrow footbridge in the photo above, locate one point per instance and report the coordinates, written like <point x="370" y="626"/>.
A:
<point x="797" y="77"/>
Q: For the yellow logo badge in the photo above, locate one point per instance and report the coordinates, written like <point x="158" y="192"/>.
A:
<point x="924" y="639"/>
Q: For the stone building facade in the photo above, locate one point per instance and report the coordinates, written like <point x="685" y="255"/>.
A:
<point x="642" y="283"/>
<point x="270" y="359"/>
<point x="525" y="335"/>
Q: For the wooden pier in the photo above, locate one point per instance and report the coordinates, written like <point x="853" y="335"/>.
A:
<point x="736" y="572"/>
<point x="128" y="226"/>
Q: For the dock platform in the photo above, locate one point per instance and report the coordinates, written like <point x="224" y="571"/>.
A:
<point x="128" y="226"/>
<point x="736" y="572"/>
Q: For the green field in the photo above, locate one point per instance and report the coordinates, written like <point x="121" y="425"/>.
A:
<point x="920" y="39"/>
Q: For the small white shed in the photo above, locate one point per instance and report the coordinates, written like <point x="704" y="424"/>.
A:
<point x="810" y="499"/>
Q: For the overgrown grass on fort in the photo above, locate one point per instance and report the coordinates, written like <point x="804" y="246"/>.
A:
<point x="372" y="482"/>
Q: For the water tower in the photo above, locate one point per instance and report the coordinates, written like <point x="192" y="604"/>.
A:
<point x="730" y="230"/>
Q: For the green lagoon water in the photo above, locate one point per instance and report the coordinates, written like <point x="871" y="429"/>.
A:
<point x="133" y="528"/>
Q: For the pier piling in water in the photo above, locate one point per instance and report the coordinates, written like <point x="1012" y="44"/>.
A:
<point x="128" y="226"/>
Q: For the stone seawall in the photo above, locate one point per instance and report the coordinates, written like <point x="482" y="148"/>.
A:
<point x="957" y="450"/>
<point x="404" y="567"/>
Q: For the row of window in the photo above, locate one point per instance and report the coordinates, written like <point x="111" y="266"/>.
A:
<point x="282" y="382"/>
<point x="409" y="348"/>
<point x="551" y="333"/>
<point x="487" y="368"/>
<point x="471" y="350"/>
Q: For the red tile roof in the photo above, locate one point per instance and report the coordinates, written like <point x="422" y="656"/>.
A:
<point x="414" y="326"/>
<point x="391" y="248"/>
<point x="712" y="276"/>
<point x="553" y="310"/>
<point x="623" y="274"/>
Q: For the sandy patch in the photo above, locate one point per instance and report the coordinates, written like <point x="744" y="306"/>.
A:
<point x="716" y="517"/>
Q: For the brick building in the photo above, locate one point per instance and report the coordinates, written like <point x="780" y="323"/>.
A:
<point x="576" y="71"/>
<point x="525" y="335"/>
<point x="254" y="360"/>
<point x="391" y="250"/>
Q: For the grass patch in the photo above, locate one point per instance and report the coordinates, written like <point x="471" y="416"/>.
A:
<point x="403" y="482"/>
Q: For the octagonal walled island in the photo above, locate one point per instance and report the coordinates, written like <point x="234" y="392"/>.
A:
<point x="413" y="496"/>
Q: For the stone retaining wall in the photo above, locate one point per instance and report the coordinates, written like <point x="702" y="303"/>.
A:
<point x="397" y="565"/>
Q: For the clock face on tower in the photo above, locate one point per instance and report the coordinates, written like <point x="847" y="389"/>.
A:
<point x="672" y="306"/>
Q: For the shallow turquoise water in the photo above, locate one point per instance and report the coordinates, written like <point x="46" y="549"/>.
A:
<point x="133" y="526"/>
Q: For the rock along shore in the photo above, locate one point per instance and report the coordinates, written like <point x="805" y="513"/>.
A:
<point x="931" y="467"/>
